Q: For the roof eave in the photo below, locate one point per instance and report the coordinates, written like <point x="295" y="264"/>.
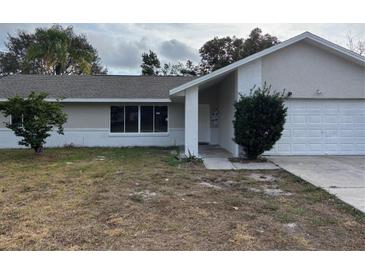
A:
<point x="105" y="100"/>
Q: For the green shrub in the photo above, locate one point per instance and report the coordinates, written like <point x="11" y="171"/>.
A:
<point x="33" y="119"/>
<point x="259" y="120"/>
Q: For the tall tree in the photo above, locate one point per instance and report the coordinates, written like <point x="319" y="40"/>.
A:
<point x="257" y="41"/>
<point x="13" y="60"/>
<point x="55" y="50"/>
<point x="180" y="69"/>
<point x="150" y="64"/>
<point x="8" y="63"/>
<point x="220" y="52"/>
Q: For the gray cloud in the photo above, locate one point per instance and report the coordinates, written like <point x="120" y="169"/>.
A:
<point x="175" y="50"/>
<point x="122" y="53"/>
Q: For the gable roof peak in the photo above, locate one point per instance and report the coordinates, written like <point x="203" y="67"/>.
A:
<point x="323" y="43"/>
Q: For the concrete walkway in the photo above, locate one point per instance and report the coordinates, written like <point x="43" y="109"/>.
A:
<point x="216" y="158"/>
<point x="218" y="164"/>
<point x="343" y="176"/>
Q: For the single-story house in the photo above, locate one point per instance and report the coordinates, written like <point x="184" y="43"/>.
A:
<point x="326" y="111"/>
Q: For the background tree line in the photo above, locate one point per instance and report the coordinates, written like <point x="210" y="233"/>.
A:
<point x="215" y="54"/>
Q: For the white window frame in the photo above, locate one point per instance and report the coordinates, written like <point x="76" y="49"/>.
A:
<point x="139" y="133"/>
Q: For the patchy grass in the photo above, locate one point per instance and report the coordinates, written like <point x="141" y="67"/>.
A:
<point x="145" y="199"/>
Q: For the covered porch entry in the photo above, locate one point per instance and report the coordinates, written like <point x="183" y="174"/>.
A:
<point x="213" y="151"/>
<point x="209" y="113"/>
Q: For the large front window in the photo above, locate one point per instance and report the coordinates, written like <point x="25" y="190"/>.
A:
<point x="135" y="119"/>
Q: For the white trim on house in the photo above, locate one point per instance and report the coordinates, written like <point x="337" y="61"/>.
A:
<point x="306" y="35"/>
<point x="138" y="134"/>
<point x="105" y="100"/>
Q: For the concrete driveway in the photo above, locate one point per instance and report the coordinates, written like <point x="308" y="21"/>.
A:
<point x="343" y="176"/>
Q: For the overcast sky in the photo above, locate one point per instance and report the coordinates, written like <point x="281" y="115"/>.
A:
<point x="120" y="45"/>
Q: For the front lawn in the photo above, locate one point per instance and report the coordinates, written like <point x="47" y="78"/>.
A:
<point x="145" y="199"/>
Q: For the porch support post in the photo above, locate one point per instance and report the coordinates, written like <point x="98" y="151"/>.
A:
<point x="191" y="121"/>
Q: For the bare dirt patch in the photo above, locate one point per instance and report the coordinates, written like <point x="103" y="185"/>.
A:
<point x="145" y="199"/>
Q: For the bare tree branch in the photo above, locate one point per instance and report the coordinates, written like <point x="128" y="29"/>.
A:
<point x="355" y="46"/>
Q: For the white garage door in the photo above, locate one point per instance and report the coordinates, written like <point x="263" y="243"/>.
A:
<point x="323" y="127"/>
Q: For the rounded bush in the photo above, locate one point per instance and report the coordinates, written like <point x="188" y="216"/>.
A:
<point x="259" y="120"/>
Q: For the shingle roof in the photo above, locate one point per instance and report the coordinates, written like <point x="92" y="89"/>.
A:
<point x="91" y="87"/>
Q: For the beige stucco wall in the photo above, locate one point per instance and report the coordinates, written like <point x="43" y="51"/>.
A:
<point x="87" y="115"/>
<point x="82" y="115"/>
<point x="249" y="76"/>
<point x="303" y="69"/>
<point x="176" y="115"/>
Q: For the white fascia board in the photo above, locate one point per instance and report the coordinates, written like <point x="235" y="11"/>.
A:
<point x="306" y="35"/>
<point x="356" y="57"/>
<point x="104" y="100"/>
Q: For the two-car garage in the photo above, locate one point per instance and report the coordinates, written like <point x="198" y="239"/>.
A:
<point x="323" y="127"/>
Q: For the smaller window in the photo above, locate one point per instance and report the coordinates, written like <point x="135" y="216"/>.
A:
<point x="160" y="118"/>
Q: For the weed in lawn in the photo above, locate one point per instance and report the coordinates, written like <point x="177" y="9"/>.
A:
<point x="285" y="217"/>
<point x="136" y="197"/>
<point x="233" y="201"/>
<point x="173" y="161"/>
<point x="322" y="220"/>
<point x="269" y="207"/>
<point x="25" y="188"/>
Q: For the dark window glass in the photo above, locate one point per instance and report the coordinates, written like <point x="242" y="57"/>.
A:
<point x="160" y="118"/>
<point x="146" y="118"/>
<point x="117" y="119"/>
<point x="131" y="119"/>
